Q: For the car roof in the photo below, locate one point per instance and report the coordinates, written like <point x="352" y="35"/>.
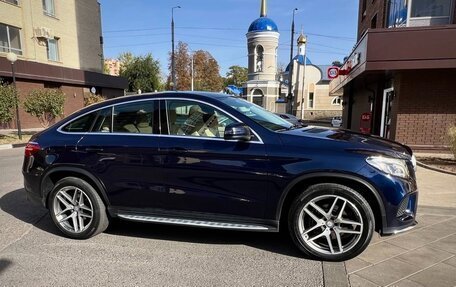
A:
<point x="168" y="94"/>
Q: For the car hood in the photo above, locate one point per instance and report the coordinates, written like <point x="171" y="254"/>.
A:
<point x="348" y="140"/>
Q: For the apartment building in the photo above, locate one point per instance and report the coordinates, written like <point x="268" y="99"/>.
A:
<point x="58" y="44"/>
<point x="399" y="80"/>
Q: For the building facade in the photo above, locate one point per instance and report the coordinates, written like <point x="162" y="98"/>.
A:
<point x="398" y="81"/>
<point x="310" y="85"/>
<point x="262" y="87"/>
<point x="58" y="44"/>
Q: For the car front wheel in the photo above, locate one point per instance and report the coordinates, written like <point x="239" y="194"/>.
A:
<point x="331" y="222"/>
<point x="77" y="209"/>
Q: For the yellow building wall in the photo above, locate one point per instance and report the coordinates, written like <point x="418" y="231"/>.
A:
<point x="76" y="24"/>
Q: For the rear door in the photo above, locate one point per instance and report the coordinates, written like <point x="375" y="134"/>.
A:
<point x="122" y="151"/>
<point x="204" y="172"/>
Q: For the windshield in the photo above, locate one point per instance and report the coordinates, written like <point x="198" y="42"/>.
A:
<point x="258" y="114"/>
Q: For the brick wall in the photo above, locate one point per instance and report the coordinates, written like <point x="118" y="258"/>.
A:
<point x="372" y="7"/>
<point x="74" y="101"/>
<point x="426" y="106"/>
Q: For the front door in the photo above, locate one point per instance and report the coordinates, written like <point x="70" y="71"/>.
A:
<point x="387" y="105"/>
<point x="122" y="151"/>
<point x="205" y="173"/>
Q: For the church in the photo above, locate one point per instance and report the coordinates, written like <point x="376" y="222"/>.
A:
<point x="268" y="87"/>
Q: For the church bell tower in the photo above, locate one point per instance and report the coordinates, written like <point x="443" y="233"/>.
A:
<point x="262" y="86"/>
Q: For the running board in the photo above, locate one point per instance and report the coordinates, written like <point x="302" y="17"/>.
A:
<point x="198" y="223"/>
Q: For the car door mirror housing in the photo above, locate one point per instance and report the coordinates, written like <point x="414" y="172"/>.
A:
<point x="237" y="131"/>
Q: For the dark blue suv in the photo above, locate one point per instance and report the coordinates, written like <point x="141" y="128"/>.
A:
<point x="213" y="160"/>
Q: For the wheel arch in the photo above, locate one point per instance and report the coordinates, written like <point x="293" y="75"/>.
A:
<point x="366" y="189"/>
<point x="54" y="175"/>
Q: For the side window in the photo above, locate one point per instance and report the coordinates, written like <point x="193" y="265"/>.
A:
<point x="196" y="119"/>
<point x="134" y="118"/>
<point x="103" y="121"/>
<point x="81" y="125"/>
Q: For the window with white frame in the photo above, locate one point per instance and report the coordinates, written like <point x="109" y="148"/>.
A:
<point x="10" y="39"/>
<point x="53" y="49"/>
<point x="49" y="7"/>
<point x="336" y="101"/>
<point x="310" y="102"/>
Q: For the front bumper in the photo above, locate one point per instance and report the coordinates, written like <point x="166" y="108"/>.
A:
<point x="399" y="200"/>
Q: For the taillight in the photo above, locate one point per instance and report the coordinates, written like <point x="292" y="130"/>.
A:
<point x="31" y="148"/>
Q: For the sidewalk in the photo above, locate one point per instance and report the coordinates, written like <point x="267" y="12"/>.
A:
<point x="424" y="256"/>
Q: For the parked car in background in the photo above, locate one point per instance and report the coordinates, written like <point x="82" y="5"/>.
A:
<point x="291" y="119"/>
<point x="336" y="122"/>
<point x="218" y="161"/>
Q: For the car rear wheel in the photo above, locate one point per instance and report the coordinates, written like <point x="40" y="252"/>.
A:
<point x="77" y="209"/>
<point x="331" y="222"/>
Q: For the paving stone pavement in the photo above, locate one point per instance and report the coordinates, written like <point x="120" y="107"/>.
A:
<point x="424" y="256"/>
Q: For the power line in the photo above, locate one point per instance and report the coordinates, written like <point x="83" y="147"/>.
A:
<point x="223" y="29"/>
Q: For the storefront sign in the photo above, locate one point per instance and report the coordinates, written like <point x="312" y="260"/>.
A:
<point x="333" y="72"/>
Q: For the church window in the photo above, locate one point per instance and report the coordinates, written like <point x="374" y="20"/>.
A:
<point x="310" y="102"/>
<point x="259" y="58"/>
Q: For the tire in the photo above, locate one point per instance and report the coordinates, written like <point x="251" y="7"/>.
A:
<point x="76" y="208"/>
<point x="337" y="236"/>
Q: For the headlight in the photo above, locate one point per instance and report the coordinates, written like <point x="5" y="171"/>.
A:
<point x="414" y="162"/>
<point x="392" y="166"/>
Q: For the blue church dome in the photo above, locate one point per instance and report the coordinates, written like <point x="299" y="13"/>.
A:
<point x="300" y="60"/>
<point x="263" y="24"/>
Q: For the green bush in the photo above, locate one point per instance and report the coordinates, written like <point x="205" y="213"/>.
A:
<point x="90" y="99"/>
<point x="8" y="101"/>
<point x="45" y="104"/>
<point x="452" y="137"/>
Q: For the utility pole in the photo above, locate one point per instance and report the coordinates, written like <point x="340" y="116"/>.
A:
<point x="290" y="70"/>
<point x="173" y="62"/>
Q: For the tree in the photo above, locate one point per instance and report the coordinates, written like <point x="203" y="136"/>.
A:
<point x="205" y="67"/>
<point x="207" y="72"/>
<point x="8" y="101"/>
<point x="45" y="104"/>
<point x="142" y="73"/>
<point x="183" y="62"/>
<point x="236" y="75"/>
<point x="337" y="64"/>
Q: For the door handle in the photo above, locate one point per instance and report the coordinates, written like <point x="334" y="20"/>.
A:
<point x="174" y="149"/>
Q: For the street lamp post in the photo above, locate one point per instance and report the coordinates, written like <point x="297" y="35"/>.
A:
<point x="290" y="70"/>
<point x="13" y="58"/>
<point x="193" y="70"/>
<point x="173" y="64"/>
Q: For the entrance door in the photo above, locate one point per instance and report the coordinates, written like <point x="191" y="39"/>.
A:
<point x="388" y="97"/>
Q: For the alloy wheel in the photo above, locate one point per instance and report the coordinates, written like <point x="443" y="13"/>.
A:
<point x="330" y="224"/>
<point x="73" y="209"/>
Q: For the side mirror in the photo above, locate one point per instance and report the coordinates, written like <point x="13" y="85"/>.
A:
<point x="238" y="132"/>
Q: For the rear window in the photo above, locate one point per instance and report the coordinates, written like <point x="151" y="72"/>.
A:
<point x="81" y="125"/>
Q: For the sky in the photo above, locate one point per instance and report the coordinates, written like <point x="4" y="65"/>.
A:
<point x="220" y="27"/>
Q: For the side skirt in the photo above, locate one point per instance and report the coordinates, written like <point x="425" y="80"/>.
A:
<point x="197" y="220"/>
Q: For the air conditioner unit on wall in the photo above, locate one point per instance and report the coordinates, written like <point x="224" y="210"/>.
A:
<point x="43" y="32"/>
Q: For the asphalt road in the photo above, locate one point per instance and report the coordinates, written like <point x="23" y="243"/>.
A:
<point x="34" y="253"/>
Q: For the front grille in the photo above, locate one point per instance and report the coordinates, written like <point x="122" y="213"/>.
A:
<point x="403" y="207"/>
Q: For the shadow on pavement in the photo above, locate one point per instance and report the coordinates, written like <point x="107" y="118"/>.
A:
<point x="4" y="264"/>
<point x="274" y="242"/>
<point x="16" y="204"/>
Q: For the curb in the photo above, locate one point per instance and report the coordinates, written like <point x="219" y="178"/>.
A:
<point x="10" y="146"/>
<point x="434" y="168"/>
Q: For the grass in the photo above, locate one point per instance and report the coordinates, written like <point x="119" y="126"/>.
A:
<point x="12" y="138"/>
